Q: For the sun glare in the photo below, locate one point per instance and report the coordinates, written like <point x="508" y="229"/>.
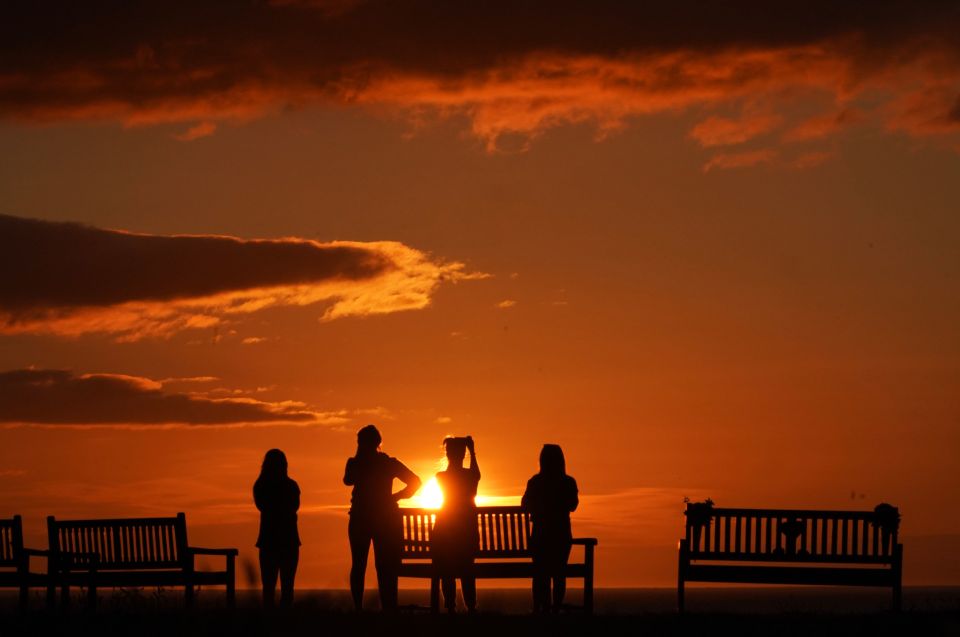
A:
<point x="430" y="496"/>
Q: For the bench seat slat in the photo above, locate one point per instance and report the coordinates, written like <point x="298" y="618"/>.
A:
<point x="136" y="578"/>
<point x="786" y="557"/>
<point x="791" y="575"/>
<point x="489" y="570"/>
<point x="10" y="579"/>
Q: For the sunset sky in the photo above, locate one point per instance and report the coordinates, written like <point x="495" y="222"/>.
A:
<point x="712" y="249"/>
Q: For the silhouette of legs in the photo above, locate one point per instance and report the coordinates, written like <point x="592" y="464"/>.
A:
<point x="468" y="585"/>
<point x="448" y="584"/>
<point x="386" y="553"/>
<point x="559" y="590"/>
<point x="446" y="565"/>
<point x="541" y="593"/>
<point x="274" y="564"/>
<point x="360" y="538"/>
<point x="549" y="559"/>
<point x="454" y="549"/>
<point x="269" y="570"/>
<point x="560" y="554"/>
<point x="288" y="572"/>
<point x="386" y="537"/>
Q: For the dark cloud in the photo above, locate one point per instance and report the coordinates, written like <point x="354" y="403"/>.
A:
<point x="510" y="65"/>
<point x="60" y="397"/>
<point x="71" y="279"/>
<point x="417" y="35"/>
<point x="68" y="264"/>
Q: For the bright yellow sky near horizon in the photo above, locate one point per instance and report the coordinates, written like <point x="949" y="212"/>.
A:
<point x="771" y="328"/>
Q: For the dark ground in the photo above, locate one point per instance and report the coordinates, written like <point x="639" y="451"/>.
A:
<point x="729" y="611"/>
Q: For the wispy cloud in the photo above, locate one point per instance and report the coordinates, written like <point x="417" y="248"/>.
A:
<point x="188" y="379"/>
<point x="822" y="126"/>
<point x="812" y="159"/>
<point x="203" y="129"/>
<point x="723" y="131"/>
<point x="740" y="160"/>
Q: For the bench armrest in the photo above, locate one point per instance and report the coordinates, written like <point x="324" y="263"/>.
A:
<point x="36" y="552"/>
<point x="27" y="553"/>
<point x="229" y="557"/>
<point x="196" y="550"/>
<point x="585" y="541"/>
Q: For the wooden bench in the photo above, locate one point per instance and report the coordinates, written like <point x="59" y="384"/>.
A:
<point x="789" y="546"/>
<point x="15" y="560"/>
<point x="131" y="552"/>
<point x="503" y="553"/>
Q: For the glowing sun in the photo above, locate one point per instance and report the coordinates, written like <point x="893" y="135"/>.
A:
<point x="429" y="496"/>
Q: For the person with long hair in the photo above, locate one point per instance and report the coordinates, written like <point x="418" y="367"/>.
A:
<point x="550" y="497"/>
<point x="277" y="497"/>
<point x="455" y="538"/>
<point x="375" y="516"/>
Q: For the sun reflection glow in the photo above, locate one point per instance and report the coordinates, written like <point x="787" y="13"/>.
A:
<point x="429" y="496"/>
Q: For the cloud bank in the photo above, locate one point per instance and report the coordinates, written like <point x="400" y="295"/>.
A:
<point x="71" y="279"/>
<point x="61" y="397"/>
<point x="511" y="67"/>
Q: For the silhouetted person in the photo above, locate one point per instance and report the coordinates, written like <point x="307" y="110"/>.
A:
<point x="375" y="516"/>
<point x="550" y="497"/>
<point x="455" y="538"/>
<point x="277" y="497"/>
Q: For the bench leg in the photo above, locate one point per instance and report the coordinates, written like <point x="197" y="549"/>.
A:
<point x="897" y="578"/>
<point x="92" y="597"/>
<point x="188" y="596"/>
<point x="682" y="560"/>
<point x="231" y="582"/>
<point x="24" y="597"/>
<point x="588" y="579"/>
<point x="434" y="594"/>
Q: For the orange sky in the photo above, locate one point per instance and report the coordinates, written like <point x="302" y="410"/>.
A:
<point x="711" y="261"/>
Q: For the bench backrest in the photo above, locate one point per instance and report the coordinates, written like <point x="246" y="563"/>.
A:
<point x="504" y="532"/>
<point x="127" y="543"/>
<point x="11" y="541"/>
<point x="791" y="535"/>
